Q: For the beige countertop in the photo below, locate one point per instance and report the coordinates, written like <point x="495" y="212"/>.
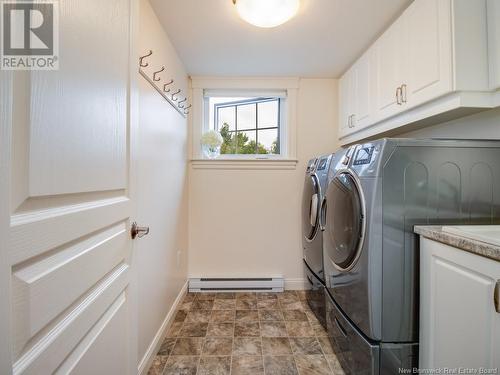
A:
<point x="459" y="241"/>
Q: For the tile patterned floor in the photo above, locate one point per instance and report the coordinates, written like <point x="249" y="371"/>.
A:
<point x="245" y="334"/>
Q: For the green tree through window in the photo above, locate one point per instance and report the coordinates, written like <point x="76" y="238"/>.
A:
<point x="239" y="143"/>
<point x="247" y="125"/>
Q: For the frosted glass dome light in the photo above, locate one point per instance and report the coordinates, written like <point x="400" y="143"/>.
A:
<point x="266" y="13"/>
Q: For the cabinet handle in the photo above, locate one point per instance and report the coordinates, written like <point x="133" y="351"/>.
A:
<point x="403" y="93"/>
<point x="496" y="296"/>
<point x="398" y="96"/>
<point x="353" y="122"/>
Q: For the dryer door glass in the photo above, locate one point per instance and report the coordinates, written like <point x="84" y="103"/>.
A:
<point x="344" y="218"/>
<point x="310" y="207"/>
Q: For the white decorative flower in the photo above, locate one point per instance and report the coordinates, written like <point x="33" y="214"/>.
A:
<point x="212" y="139"/>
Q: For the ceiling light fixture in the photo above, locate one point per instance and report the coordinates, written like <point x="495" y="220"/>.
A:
<point x="266" y="13"/>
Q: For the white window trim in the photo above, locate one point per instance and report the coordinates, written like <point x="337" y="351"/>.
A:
<point x="288" y="132"/>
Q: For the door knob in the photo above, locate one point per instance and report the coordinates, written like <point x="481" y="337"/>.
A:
<point x="137" y="231"/>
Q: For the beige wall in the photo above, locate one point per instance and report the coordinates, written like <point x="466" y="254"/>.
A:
<point x="246" y="223"/>
<point x="161" y="257"/>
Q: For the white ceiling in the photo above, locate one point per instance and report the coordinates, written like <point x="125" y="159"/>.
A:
<point x="323" y="39"/>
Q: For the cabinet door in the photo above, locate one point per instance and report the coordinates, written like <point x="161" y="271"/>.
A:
<point x="390" y="62"/>
<point x="429" y="73"/>
<point x="459" y="326"/>
<point x="363" y="93"/>
<point x="493" y="13"/>
<point x="345" y="103"/>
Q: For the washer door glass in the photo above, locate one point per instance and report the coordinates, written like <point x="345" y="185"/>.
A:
<point x="310" y="207"/>
<point x="344" y="218"/>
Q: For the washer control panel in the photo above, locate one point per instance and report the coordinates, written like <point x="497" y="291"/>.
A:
<point x="322" y="164"/>
<point x="364" y="155"/>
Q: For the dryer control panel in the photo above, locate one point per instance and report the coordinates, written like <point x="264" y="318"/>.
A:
<point x="322" y="164"/>
<point x="364" y="155"/>
<point x="366" y="158"/>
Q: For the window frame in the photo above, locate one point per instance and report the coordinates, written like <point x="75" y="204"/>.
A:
<point x="233" y="87"/>
<point x="256" y="101"/>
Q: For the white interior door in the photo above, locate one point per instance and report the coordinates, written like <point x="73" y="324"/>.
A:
<point x="67" y="304"/>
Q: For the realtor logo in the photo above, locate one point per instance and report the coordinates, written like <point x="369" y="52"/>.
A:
<point x="30" y="37"/>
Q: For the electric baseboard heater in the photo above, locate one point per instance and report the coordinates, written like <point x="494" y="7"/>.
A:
<point x="260" y="284"/>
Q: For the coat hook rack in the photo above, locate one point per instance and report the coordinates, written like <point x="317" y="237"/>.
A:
<point x="180" y="103"/>
<point x="175" y="94"/>
<point x="186" y="110"/>
<point x="164" y="90"/>
<point x="166" y="84"/>
<point x="156" y="79"/>
<point x="144" y="64"/>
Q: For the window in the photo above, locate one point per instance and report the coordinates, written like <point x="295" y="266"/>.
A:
<point x="249" y="124"/>
<point x="257" y="116"/>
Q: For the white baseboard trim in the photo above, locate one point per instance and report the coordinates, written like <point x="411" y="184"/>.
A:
<point x="296" y="284"/>
<point x="148" y="358"/>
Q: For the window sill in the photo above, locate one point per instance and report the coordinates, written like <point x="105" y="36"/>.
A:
<point x="240" y="164"/>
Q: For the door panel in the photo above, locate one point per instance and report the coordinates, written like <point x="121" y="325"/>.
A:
<point x="107" y="336"/>
<point x="80" y="112"/>
<point x="344" y="104"/>
<point x="457" y="300"/>
<point x="43" y="283"/>
<point x="493" y="14"/>
<point x="363" y="92"/>
<point x="69" y="252"/>
<point x="429" y="51"/>
<point x="390" y="50"/>
<point x="59" y="339"/>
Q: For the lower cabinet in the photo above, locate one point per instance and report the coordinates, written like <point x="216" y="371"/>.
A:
<point x="459" y="318"/>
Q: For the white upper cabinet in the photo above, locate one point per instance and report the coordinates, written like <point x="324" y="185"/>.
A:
<point x="356" y="92"/>
<point x="363" y="91"/>
<point x="346" y="101"/>
<point x="493" y="10"/>
<point x="391" y="61"/>
<point x="430" y="65"/>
